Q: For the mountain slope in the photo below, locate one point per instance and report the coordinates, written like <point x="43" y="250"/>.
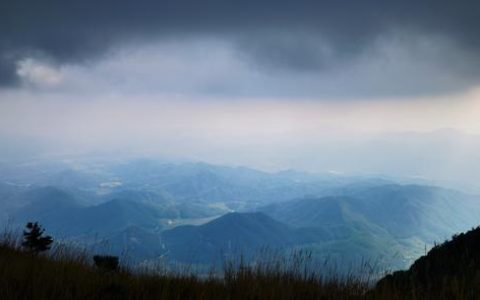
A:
<point x="134" y="244"/>
<point x="431" y="213"/>
<point x="402" y="210"/>
<point x="63" y="217"/>
<point x="232" y="235"/>
<point x="449" y="271"/>
<point x="239" y="187"/>
<point x="392" y="221"/>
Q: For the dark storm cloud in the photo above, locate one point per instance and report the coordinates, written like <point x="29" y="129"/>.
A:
<point x="302" y="35"/>
<point x="7" y="71"/>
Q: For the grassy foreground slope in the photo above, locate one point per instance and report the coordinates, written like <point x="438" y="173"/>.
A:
<point x="65" y="276"/>
<point x="449" y="271"/>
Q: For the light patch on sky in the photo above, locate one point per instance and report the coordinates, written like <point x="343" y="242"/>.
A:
<point x="116" y="120"/>
<point x="39" y="74"/>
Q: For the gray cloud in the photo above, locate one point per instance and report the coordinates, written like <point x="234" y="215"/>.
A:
<point x="7" y="71"/>
<point x="291" y="36"/>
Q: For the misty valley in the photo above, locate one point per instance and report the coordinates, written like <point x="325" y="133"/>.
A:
<point x="151" y="212"/>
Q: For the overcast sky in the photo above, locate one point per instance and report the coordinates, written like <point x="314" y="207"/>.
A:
<point x="256" y="82"/>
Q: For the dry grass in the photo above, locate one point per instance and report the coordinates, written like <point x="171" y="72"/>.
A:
<point x="68" y="274"/>
<point x="65" y="274"/>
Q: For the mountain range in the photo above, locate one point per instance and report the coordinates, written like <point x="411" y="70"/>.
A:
<point x="197" y="213"/>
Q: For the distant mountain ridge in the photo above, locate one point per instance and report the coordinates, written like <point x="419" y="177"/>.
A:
<point x="402" y="210"/>
<point x="233" y="235"/>
<point x="140" y="203"/>
<point x="59" y="212"/>
<point x="384" y="220"/>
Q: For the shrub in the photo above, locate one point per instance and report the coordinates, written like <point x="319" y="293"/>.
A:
<point x="106" y="263"/>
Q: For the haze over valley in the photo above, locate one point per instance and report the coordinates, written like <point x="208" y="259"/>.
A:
<point x="199" y="214"/>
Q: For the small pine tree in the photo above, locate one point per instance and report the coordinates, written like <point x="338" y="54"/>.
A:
<point x="33" y="239"/>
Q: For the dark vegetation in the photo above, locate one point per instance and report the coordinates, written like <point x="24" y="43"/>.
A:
<point x="448" y="271"/>
<point x="63" y="274"/>
<point x="34" y="240"/>
<point x="106" y="263"/>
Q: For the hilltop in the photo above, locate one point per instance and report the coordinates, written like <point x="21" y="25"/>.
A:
<point x="449" y="271"/>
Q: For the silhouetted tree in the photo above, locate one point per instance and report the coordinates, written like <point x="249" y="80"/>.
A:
<point x="106" y="263"/>
<point x="33" y="239"/>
